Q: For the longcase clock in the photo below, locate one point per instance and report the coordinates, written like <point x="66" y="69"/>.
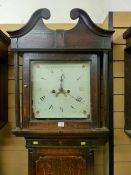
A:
<point x="65" y="96"/>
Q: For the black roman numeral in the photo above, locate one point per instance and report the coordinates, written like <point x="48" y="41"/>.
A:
<point x="42" y="98"/>
<point x="72" y="107"/>
<point x="51" y="107"/>
<point x="79" y="99"/>
<point x="61" y="109"/>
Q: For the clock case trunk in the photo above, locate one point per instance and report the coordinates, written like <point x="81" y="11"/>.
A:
<point x="77" y="139"/>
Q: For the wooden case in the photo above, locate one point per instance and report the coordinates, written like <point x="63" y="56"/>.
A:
<point x="50" y="146"/>
<point x="41" y="43"/>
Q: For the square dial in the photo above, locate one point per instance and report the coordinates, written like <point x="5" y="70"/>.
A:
<point x="60" y="90"/>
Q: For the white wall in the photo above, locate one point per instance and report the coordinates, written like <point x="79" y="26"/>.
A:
<point x="19" y="11"/>
<point x="120" y="5"/>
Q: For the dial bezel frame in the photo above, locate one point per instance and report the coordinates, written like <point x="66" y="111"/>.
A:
<point x="94" y="84"/>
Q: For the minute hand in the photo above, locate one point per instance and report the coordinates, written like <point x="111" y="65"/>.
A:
<point x="61" y="83"/>
<point x="61" y="90"/>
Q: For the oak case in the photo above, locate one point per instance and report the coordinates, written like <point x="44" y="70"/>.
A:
<point x="64" y="142"/>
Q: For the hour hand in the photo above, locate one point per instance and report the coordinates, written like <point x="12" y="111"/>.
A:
<point x="61" y="82"/>
<point x="61" y="91"/>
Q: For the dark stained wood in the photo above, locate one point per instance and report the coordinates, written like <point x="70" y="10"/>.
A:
<point x="65" y="142"/>
<point x="57" y="161"/>
<point x="4" y="42"/>
<point x="50" y="165"/>
<point x="17" y="90"/>
<point x="127" y="36"/>
<point x="110" y="104"/>
<point x="69" y="150"/>
<point x="127" y="33"/>
<point x="105" y="90"/>
<point x="100" y="134"/>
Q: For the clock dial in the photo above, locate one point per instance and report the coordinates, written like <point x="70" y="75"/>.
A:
<point x="60" y="90"/>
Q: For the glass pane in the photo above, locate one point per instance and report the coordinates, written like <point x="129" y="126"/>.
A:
<point x="60" y="90"/>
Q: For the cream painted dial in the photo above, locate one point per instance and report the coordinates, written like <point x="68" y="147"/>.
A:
<point x="60" y="90"/>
